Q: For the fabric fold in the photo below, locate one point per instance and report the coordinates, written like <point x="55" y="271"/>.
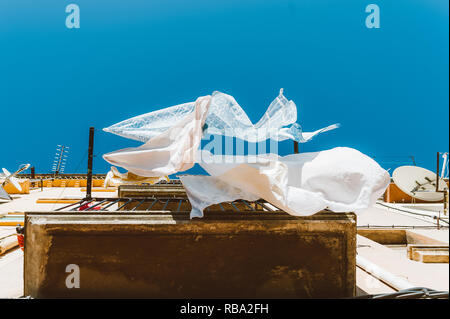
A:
<point x="172" y="135"/>
<point x="225" y="117"/>
<point x="115" y="178"/>
<point x="341" y="179"/>
<point x="169" y="152"/>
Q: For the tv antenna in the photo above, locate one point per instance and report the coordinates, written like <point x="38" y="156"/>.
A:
<point x="59" y="163"/>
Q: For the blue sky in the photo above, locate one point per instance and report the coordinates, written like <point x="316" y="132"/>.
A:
<point x="388" y="87"/>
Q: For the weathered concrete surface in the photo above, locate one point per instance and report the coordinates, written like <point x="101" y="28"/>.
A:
<point x="8" y="239"/>
<point x="6" y="231"/>
<point x="164" y="255"/>
<point x="28" y="202"/>
<point x="428" y="236"/>
<point x="385" y="236"/>
<point x="430" y="255"/>
<point x="11" y="274"/>
<point x="411" y="248"/>
<point x="434" y="276"/>
<point x="8" y="243"/>
<point x="380" y="216"/>
<point x="404" y="236"/>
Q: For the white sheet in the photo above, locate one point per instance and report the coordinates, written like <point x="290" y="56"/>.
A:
<point x="225" y="117"/>
<point x="170" y="152"/>
<point x="341" y="179"/>
<point x="172" y="135"/>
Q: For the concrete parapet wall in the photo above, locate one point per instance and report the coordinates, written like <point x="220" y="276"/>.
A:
<point x="398" y="237"/>
<point x="166" y="255"/>
<point x="58" y="182"/>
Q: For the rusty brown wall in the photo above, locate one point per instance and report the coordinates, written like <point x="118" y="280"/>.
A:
<point x="163" y="255"/>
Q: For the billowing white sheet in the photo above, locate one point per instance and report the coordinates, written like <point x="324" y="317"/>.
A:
<point x="225" y="117"/>
<point x="172" y="135"/>
<point x="341" y="179"/>
<point x="169" y="152"/>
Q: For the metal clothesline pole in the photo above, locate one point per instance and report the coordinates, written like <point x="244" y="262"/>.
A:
<point x="295" y="147"/>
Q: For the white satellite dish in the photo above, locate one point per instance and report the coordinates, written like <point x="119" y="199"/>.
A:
<point x="418" y="182"/>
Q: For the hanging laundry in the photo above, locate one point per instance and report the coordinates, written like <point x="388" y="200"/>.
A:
<point x="225" y="117"/>
<point x="171" y="151"/>
<point x="169" y="133"/>
<point x="341" y="179"/>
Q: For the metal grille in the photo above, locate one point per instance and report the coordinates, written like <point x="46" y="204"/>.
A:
<point x="173" y="204"/>
<point x="62" y="176"/>
<point x="171" y="182"/>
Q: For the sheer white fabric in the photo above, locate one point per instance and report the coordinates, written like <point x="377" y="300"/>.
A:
<point x="172" y="136"/>
<point x="225" y="117"/>
<point x="341" y="179"/>
<point x="144" y="127"/>
<point x="169" y="152"/>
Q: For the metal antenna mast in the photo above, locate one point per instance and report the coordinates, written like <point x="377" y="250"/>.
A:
<point x="59" y="162"/>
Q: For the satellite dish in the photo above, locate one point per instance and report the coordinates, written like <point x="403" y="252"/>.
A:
<point x="16" y="183"/>
<point x="418" y="182"/>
